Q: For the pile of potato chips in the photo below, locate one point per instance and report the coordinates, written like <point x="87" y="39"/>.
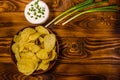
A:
<point x="34" y="48"/>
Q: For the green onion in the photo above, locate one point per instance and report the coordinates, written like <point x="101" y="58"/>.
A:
<point x="78" y="9"/>
<point x="69" y="10"/>
<point x="106" y="8"/>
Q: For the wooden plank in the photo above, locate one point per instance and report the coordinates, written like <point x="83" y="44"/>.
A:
<point x="10" y="72"/>
<point x="11" y="23"/>
<point x="19" y="5"/>
<point x="104" y="25"/>
<point x="54" y="5"/>
<point x="101" y="49"/>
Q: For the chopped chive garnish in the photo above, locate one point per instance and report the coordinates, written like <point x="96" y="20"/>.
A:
<point x="36" y="18"/>
<point x="31" y="16"/>
<point x="39" y="16"/>
<point x="42" y="13"/>
<point x="37" y="6"/>
<point x="34" y="13"/>
<point x="43" y="10"/>
<point x="34" y="9"/>
<point x="29" y="9"/>
<point x="28" y="13"/>
<point x="35" y="3"/>
<point x="39" y="11"/>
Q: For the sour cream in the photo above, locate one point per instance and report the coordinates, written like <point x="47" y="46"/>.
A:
<point x="36" y="12"/>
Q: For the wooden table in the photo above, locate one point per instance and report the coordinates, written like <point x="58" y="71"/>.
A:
<point x="89" y="45"/>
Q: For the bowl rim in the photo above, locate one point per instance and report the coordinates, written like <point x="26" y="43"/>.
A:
<point x="52" y="63"/>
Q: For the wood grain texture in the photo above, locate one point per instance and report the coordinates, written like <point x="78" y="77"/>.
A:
<point x="89" y="45"/>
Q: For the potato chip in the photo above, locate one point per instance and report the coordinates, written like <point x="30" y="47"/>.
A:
<point x="26" y="66"/>
<point x="15" y="48"/>
<point x="42" y="30"/>
<point x="42" y="54"/>
<point x="41" y="40"/>
<point x="16" y="38"/>
<point x="49" y="42"/>
<point x="42" y="45"/>
<point x="34" y="36"/>
<point x="53" y="55"/>
<point x="24" y="51"/>
<point x="43" y="65"/>
<point x="17" y="56"/>
<point x="29" y="55"/>
<point x="32" y="47"/>
<point x="26" y="33"/>
<point x="21" y="46"/>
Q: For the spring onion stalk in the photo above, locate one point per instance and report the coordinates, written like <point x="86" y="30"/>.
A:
<point x="106" y="8"/>
<point x="69" y="10"/>
<point x="78" y="9"/>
